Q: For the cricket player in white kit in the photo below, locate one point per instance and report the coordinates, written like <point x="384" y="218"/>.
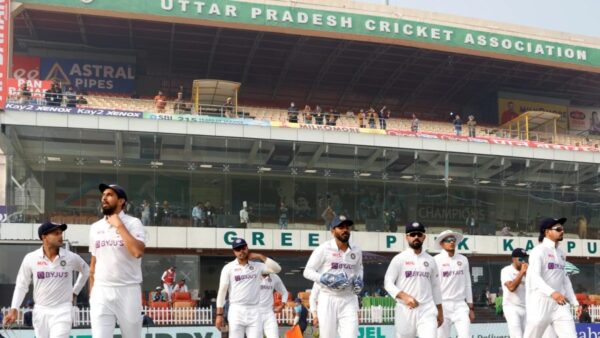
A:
<point x="269" y="284"/>
<point x="412" y="279"/>
<point x="549" y="293"/>
<point x="51" y="269"/>
<point x="241" y="278"/>
<point x="117" y="246"/>
<point x="512" y="278"/>
<point x="337" y="266"/>
<point x="455" y="284"/>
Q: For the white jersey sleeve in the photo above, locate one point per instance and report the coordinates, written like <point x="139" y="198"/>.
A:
<point x="436" y="290"/>
<point x="270" y="266"/>
<point x="223" y="285"/>
<point x="468" y="286"/>
<point x="392" y="274"/>
<point x="24" y="277"/>
<point x="316" y="260"/>
<point x="84" y="271"/>
<point x="279" y="287"/>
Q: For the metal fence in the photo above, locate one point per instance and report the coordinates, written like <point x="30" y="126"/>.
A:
<point x="204" y="316"/>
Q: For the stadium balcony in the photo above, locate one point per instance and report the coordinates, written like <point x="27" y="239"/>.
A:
<point x="279" y="117"/>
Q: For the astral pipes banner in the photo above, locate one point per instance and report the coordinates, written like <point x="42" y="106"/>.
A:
<point x="4" y="38"/>
<point x="296" y="17"/>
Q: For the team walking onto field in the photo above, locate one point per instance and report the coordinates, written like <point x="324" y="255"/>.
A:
<point x="432" y="293"/>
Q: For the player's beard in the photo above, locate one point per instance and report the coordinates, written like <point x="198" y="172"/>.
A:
<point x="109" y="209"/>
<point x="344" y="237"/>
<point x="416" y="244"/>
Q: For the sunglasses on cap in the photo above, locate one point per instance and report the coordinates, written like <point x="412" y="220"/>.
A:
<point x="558" y="228"/>
<point x="522" y="259"/>
<point x="416" y="234"/>
<point x="449" y="240"/>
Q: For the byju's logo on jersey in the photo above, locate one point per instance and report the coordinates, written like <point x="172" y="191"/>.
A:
<point x="338" y="266"/>
<point x="409" y="274"/>
<point x="110" y="242"/>
<point x="52" y="274"/>
<point x="555" y="266"/>
<point x="239" y="278"/>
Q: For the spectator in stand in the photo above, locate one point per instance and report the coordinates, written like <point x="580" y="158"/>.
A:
<point x="371" y="113"/>
<point x="582" y="226"/>
<point x="159" y="295"/>
<point x="414" y="124"/>
<point x="509" y="113"/>
<point x="506" y="231"/>
<point x="244" y="217"/>
<point x="24" y="94"/>
<point x="180" y="286"/>
<point x="209" y="213"/>
<point x="160" y="102"/>
<point x="308" y="115"/>
<point x="293" y="113"/>
<point x="471" y="224"/>
<point x="48" y="95"/>
<point x="457" y="125"/>
<point x="301" y="315"/>
<point x="595" y="124"/>
<point x="197" y="214"/>
<point x="384" y="114"/>
<point x="471" y="124"/>
<point x="179" y="106"/>
<point x="166" y="214"/>
<point x="362" y="118"/>
<point x="328" y="215"/>
<point x="304" y="114"/>
<point x="57" y="97"/>
<point x="331" y="117"/>
<point x="283" y="216"/>
<point x="82" y="100"/>
<point x="71" y="97"/>
<point x="168" y="279"/>
<point x="318" y="115"/>
<point x="584" y="317"/>
<point x="228" y="108"/>
<point x="145" y="212"/>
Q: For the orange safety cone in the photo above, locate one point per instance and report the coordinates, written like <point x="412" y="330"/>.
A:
<point x="294" y="332"/>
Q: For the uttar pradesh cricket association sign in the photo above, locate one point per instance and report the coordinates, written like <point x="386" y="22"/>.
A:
<point x="299" y="18"/>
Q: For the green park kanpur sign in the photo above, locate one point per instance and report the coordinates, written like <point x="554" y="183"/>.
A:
<point x="345" y="23"/>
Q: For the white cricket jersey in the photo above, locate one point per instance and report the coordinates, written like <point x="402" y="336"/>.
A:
<point x="268" y="285"/>
<point x="115" y="266"/>
<point x="455" y="277"/>
<point x="328" y="258"/>
<point x="243" y="281"/>
<point x="517" y="297"/>
<point x="178" y="288"/>
<point x="546" y="272"/>
<point x="415" y="275"/>
<point x="52" y="281"/>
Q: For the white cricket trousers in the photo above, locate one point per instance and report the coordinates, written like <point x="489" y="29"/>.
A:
<point x="338" y="315"/>
<point x="270" y="327"/>
<point x="515" y="319"/>
<point x="244" y="319"/>
<point x="169" y="290"/>
<point x="420" y="321"/>
<point x="111" y="304"/>
<point x="457" y="313"/>
<point x="542" y="311"/>
<point x="52" y="322"/>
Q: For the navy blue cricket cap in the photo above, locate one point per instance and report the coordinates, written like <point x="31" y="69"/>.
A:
<point x="238" y="243"/>
<point x="519" y="252"/>
<point x="49" y="227"/>
<point x="117" y="189"/>
<point x="548" y="223"/>
<point x="415" y="227"/>
<point x="340" y="220"/>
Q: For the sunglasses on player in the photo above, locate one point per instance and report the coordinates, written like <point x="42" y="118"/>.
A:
<point x="449" y="240"/>
<point x="416" y="234"/>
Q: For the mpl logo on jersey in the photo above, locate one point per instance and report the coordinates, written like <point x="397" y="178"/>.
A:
<point x="93" y="76"/>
